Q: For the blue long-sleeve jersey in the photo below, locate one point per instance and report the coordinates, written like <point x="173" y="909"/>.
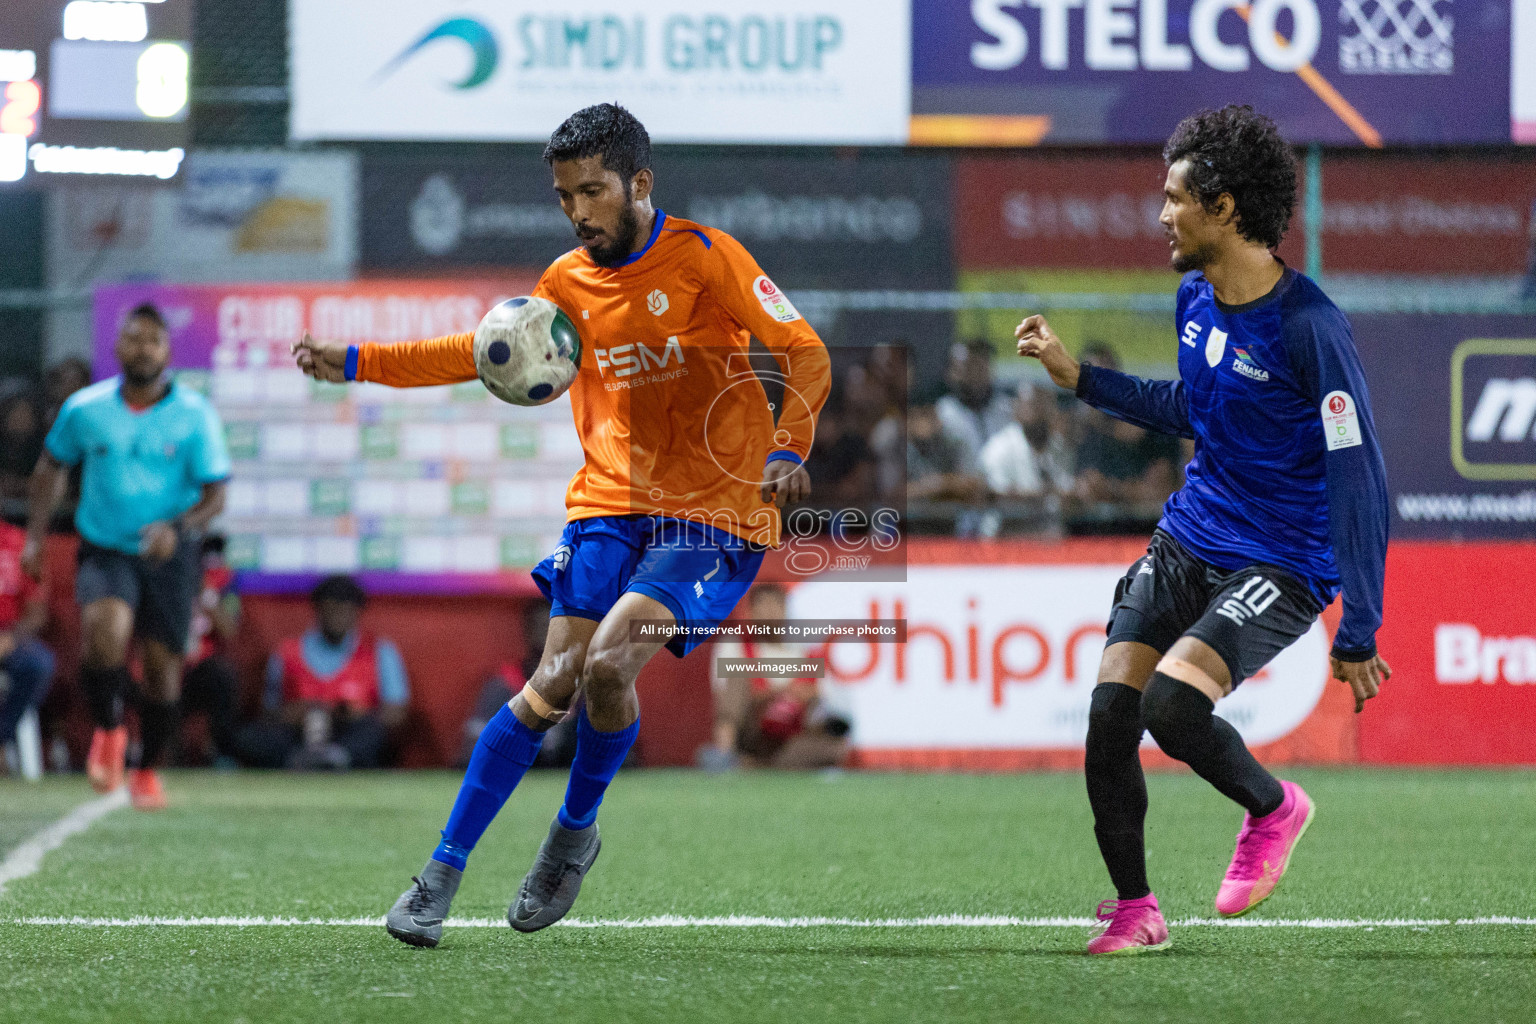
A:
<point x="1287" y="470"/>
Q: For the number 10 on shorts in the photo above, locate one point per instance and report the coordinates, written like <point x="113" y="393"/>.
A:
<point x="1249" y="602"/>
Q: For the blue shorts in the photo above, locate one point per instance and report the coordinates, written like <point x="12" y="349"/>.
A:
<point x="699" y="572"/>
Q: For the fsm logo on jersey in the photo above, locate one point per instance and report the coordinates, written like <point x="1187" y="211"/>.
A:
<point x="815" y="71"/>
<point x="1493" y="409"/>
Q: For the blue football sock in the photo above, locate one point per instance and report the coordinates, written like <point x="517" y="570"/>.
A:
<point x="598" y="757"/>
<point x="506" y="749"/>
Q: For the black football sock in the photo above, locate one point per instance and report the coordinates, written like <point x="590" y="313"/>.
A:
<point x="1180" y="719"/>
<point x="157" y="724"/>
<point x="1117" y="789"/>
<point x="104" y="689"/>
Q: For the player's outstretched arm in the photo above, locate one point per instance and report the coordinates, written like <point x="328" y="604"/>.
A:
<point x="411" y="364"/>
<point x="1322" y="353"/>
<point x="1160" y="405"/>
<point x="322" y="360"/>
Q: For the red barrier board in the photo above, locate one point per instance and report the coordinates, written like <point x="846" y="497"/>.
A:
<point x="1460" y="635"/>
<point x="1002" y="651"/>
<point x="1413" y="215"/>
<point x="1059" y="211"/>
<point x="1381" y="214"/>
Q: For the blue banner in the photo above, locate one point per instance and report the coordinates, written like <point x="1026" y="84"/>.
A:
<point x="1340" y="72"/>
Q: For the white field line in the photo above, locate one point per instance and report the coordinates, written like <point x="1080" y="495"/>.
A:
<point x="25" y="859"/>
<point x="743" y="921"/>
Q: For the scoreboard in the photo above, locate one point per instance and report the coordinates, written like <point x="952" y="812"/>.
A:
<point x="95" y="87"/>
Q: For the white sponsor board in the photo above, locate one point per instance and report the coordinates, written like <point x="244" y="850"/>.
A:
<point x="813" y="71"/>
<point x="1005" y="658"/>
<point x="1522" y="72"/>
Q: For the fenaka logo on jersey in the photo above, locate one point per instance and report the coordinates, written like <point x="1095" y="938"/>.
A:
<point x="1341" y="422"/>
<point x="1243" y="363"/>
<point x="774" y="302"/>
<point x="638" y="357"/>
<point x="1493" y="409"/>
<point x="657" y="302"/>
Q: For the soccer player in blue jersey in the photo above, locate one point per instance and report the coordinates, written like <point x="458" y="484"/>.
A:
<point x="1284" y="505"/>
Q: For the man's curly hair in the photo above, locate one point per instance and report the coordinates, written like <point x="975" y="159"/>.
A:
<point x="1239" y="152"/>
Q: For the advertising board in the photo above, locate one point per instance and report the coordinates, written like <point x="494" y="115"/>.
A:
<point x="768" y="71"/>
<point x="1455" y="404"/>
<point x="1381" y="214"/>
<point x="810" y="220"/>
<point x="1002" y="655"/>
<point x="1461" y="638"/>
<point x="1342" y="72"/>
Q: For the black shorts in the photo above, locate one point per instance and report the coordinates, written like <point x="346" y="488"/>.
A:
<point x="1246" y="615"/>
<point x="160" y="594"/>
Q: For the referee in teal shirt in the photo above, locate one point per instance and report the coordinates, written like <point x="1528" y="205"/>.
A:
<point x="153" y="469"/>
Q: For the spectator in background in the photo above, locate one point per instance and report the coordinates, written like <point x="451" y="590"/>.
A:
<point x="63" y="379"/>
<point x="841" y="466"/>
<point x="559" y="747"/>
<point x="21" y="442"/>
<point x="24" y="661"/>
<point x="888" y="369"/>
<point x="940" y="466"/>
<point x="335" y="696"/>
<point x="1028" y="458"/>
<point x="974" y="409"/>
<point x="1118" y="462"/>
<point x="765" y="721"/>
<point x="876" y="407"/>
<point x="210" y="683"/>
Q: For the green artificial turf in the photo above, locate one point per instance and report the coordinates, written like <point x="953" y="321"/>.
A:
<point x="1384" y="845"/>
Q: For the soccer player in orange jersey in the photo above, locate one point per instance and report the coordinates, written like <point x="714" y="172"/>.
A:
<point x="686" y="470"/>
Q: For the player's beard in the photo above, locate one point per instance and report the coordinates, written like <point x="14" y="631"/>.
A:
<point x="623" y="245"/>
<point x="142" y="374"/>
<point x="1185" y="260"/>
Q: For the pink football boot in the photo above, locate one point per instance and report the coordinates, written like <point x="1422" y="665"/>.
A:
<point x="1135" y="926"/>
<point x="1264" y="847"/>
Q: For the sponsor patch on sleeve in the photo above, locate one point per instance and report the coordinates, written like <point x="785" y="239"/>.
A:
<point x="1341" y="424"/>
<point x="774" y="302"/>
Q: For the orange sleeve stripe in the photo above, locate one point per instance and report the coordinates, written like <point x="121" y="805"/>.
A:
<point x="418" y="364"/>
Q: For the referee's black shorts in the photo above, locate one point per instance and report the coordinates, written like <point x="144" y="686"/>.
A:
<point x="161" y="594"/>
<point x="1246" y="615"/>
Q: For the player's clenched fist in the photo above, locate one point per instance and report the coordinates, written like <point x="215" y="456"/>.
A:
<point x="322" y="360"/>
<point x="1038" y="341"/>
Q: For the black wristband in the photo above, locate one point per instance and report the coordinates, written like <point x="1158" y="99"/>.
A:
<point x="1353" y="654"/>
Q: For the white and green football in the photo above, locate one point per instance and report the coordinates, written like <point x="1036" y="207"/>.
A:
<point x="527" y="351"/>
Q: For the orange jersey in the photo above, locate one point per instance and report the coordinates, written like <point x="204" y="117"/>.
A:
<point x="672" y="415"/>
